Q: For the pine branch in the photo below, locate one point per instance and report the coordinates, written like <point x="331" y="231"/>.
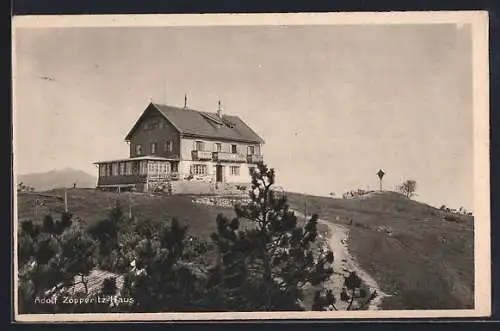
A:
<point x="352" y="299"/>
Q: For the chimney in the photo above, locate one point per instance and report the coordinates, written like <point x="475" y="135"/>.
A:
<point x="219" y="110"/>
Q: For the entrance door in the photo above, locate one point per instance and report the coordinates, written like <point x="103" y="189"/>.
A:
<point x="218" y="173"/>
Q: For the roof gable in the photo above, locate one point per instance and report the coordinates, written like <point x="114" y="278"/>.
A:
<point x="202" y="124"/>
<point x="150" y="110"/>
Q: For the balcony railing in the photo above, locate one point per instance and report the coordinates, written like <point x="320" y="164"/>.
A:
<point x="163" y="176"/>
<point x="201" y="155"/>
<point x="228" y="157"/>
<point x="253" y="158"/>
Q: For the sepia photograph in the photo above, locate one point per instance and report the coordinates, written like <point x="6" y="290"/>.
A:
<point x="251" y="166"/>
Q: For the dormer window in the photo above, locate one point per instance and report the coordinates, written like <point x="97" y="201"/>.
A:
<point x="229" y="124"/>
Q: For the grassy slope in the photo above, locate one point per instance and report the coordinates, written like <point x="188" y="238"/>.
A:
<point x="425" y="262"/>
<point x="92" y="206"/>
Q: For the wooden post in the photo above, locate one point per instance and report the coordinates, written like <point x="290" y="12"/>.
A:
<point x="146" y="188"/>
<point x="65" y="200"/>
<point x="130" y="204"/>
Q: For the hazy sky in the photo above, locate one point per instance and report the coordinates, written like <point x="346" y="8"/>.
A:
<point x="333" y="103"/>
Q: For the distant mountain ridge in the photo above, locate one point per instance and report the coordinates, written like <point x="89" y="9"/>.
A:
<point x="57" y="178"/>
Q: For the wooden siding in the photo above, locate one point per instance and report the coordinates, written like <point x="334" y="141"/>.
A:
<point x="161" y="134"/>
<point x="121" y="180"/>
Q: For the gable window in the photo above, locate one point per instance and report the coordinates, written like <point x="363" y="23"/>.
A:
<point x="169" y="146"/>
<point x="233" y="149"/>
<point x="138" y="150"/>
<point x="234" y="170"/>
<point x="153" y="148"/>
<point x="199" y="169"/>
<point x="151" y="125"/>
<point x="251" y="150"/>
<point x="199" y="146"/>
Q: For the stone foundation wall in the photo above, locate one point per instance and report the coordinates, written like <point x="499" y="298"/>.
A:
<point x="208" y="188"/>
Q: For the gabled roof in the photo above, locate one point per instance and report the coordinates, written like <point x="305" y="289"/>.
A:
<point x="194" y="123"/>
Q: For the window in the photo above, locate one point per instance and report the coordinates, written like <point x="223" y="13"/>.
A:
<point x="199" y="169"/>
<point x="151" y="125"/>
<point x="251" y="150"/>
<point x="218" y="147"/>
<point x="251" y="169"/>
<point x="175" y="167"/>
<point x="169" y="146"/>
<point x="138" y="150"/>
<point x="233" y="149"/>
<point x="128" y="168"/>
<point x="143" y="167"/>
<point x="199" y="146"/>
<point x="122" y="168"/>
<point x="115" y="169"/>
<point x="153" y="148"/>
<point x="235" y="170"/>
<point x="102" y="170"/>
<point x="163" y="167"/>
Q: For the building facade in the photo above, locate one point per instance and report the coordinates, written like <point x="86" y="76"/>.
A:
<point x="171" y="147"/>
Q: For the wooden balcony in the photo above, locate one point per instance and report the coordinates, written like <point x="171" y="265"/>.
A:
<point x="201" y="155"/>
<point x="228" y="157"/>
<point x="254" y="158"/>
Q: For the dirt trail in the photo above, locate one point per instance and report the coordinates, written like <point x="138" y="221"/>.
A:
<point x="344" y="263"/>
<point x="337" y="239"/>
